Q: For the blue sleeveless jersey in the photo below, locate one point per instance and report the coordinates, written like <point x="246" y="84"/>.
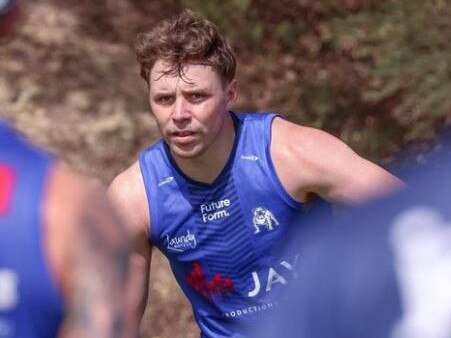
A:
<point x="224" y="240"/>
<point x="29" y="301"/>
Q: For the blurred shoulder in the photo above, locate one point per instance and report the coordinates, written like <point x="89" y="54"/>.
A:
<point x="68" y="190"/>
<point x="75" y="207"/>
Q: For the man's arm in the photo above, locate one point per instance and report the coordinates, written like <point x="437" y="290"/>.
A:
<point x="128" y="195"/>
<point x="309" y="160"/>
<point x="88" y="249"/>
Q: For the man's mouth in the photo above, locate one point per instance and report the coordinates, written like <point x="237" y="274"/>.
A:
<point x="183" y="137"/>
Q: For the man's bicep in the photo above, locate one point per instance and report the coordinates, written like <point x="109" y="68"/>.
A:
<point x="331" y="169"/>
<point x="353" y="179"/>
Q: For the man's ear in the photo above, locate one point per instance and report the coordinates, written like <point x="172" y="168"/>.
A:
<point x="232" y="92"/>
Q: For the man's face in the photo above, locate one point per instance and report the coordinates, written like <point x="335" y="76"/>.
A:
<point x="190" y="110"/>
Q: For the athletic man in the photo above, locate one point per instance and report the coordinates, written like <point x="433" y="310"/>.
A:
<point x="218" y="192"/>
<point x="63" y="255"/>
<point x="384" y="272"/>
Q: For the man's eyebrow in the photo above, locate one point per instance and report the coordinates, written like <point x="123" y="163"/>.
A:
<point x="195" y="90"/>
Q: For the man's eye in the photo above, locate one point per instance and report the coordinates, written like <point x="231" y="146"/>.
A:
<point x="196" y="97"/>
<point x="165" y="100"/>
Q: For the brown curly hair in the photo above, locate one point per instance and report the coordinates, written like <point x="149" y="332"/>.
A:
<point x="185" y="39"/>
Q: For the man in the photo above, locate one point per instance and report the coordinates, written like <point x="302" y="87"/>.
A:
<point x="63" y="254"/>
<point x="384" y="272"/>
<point x="217" y="194"/>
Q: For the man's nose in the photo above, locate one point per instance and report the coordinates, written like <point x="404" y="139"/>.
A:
<point x="182" y="110"/>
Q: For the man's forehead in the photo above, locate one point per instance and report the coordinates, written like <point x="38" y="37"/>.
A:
<point x="191" y="74"/>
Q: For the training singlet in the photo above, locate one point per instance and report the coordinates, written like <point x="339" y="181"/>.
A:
<point x="224" y="240"/>
<point x="30" y="305"/>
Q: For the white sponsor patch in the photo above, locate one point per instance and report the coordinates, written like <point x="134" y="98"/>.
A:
<point x="166" y="181"/>
<point x="181" y="243"/>
<point x="421" y="241"/>
<point x="250" y="310"/>
<point x="249" y="157"/>
<point x="215" y="210"/>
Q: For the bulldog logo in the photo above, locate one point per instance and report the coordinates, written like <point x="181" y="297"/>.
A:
<point x="263" y="218"/>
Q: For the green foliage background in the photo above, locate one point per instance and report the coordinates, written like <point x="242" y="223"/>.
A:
<point x="375" y="73"/>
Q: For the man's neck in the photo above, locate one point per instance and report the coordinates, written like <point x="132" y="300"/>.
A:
<point x="207" y="167"/>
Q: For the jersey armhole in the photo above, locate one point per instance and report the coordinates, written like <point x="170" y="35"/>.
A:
<point x="273" y="173"/>
<point x="152" y="229"/>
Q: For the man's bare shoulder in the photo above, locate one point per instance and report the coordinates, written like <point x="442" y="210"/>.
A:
<point x="67" y="192"/>
<point x="128" y="194"/>
<point x="311" y="160"/>
<point x="304" y="139"/>
<point x="128" y="182"/>
<point x="294" y="146"/>
<point x="300" y="156"/>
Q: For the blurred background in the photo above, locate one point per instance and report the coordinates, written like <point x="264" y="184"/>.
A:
<point x="376" y="73"/>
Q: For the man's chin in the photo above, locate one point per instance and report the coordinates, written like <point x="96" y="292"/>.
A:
<point x="186" y="152"/>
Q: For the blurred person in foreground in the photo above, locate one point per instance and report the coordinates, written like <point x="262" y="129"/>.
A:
<point x="218" y="192"/>
<point x="63" y="254"/>
<point x="384" y="271"/>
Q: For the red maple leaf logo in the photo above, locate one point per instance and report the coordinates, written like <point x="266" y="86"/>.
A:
<point x="209" y="288"/>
